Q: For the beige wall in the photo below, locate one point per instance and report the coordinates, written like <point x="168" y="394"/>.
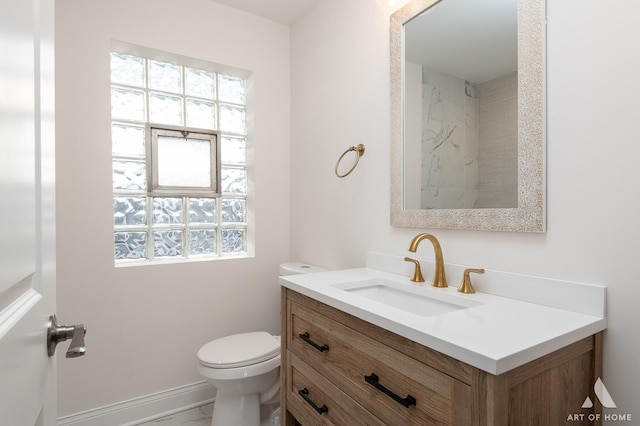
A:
<point x="340" y="97"/>
<point x="145" y="324"/>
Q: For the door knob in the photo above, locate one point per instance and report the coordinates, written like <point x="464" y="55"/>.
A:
<point x="59" y="333"/>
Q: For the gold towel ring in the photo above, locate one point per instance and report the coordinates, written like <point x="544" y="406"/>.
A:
<point x="359" y="153"/>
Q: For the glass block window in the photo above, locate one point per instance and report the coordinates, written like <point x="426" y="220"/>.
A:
<point x="199" y="105"/>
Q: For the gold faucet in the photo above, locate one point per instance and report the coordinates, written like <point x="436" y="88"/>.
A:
<point x="417" y="273"/>
<point x="439" y="279"/>
<point x="466" y="286"/>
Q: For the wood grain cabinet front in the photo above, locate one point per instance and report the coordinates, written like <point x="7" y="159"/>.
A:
<point x="341" y="370"/>
<point x="314" y="400"/>
<point x="394" y="387"/>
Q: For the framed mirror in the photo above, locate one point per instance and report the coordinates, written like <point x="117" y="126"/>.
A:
<point x="468" y="115"/>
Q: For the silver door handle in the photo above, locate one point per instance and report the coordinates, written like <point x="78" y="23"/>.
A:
<point x="59" y="333"/>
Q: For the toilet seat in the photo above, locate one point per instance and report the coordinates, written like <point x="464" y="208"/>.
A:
<point x="239" y="350"/>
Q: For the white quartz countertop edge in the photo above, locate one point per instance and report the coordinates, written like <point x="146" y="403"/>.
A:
<point x="497" y="335"/>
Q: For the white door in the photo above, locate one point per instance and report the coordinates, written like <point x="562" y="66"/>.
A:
<point x="27" y="234"/>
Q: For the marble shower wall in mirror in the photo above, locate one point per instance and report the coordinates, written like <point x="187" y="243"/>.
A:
<point x="468" y="125"/>
<point x="461" y="56"/>
<point x="468" y="145"/>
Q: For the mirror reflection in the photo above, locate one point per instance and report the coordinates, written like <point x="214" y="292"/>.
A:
<point x="461" y="106"/>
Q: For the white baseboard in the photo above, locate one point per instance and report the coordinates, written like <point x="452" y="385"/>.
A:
<point x="145" y="408"/>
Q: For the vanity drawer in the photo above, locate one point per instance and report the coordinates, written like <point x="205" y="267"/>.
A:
<point x="394" y="387"/>
<point x="313" y="400"/>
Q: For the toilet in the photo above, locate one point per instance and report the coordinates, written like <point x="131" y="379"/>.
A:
<point x="245" y="370"/>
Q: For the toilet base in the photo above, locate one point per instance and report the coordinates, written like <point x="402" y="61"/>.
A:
<point x="236" y="410"/>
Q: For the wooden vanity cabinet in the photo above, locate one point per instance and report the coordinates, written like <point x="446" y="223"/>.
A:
<point x="340" y="370"/>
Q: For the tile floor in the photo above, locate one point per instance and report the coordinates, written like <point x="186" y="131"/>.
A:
<point x="199" y="416"/>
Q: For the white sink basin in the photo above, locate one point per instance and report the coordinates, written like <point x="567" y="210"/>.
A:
<point x="417" y="300"/>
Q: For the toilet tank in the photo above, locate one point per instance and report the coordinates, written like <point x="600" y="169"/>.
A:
<point x="296" y="268"/>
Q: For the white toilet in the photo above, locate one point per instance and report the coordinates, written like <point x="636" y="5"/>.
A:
<point x="245" y="370"/>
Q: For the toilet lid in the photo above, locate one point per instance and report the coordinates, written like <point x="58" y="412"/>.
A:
<point x="239" y="350"/>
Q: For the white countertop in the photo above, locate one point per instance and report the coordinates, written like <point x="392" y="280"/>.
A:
<point x="496" y="334"/>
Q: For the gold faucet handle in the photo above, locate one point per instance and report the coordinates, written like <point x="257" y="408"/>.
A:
<point x="417" y="273"/>
<point x="466" y="286"/>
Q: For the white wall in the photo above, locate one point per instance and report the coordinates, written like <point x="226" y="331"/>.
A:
<point x="340" y="97"/>
<point x="145" y="324"/>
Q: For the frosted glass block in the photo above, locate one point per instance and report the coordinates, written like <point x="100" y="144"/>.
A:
<point x="130" y="245"/>
<point x="202" y="241"/>
<point x="202" y="210"/>
<point x="184" y="162"/>
<point x="165" y="77"/>
<point x="130" y="210"/>
<point x="200" y="83"/>
<point x="234" y="181"/>
<point x="167" y="243"/>
<point x="201" y="115"/>
<point x="232" y="119"/>
<point x="232" y="89"/>
<point x="233" y="150"/>
<point x="127" y="140"/>
<point x="167" y="210"/>
<point x="126" y="69"/>
<point x="165" y="109"/>
<point x="127" y="104"/>
<point x="233" y="210"/>
<point x="233" y="241"/>
<point x="129" y="175"/>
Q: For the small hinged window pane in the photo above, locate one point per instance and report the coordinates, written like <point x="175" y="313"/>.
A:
<point x="183" y="161"/>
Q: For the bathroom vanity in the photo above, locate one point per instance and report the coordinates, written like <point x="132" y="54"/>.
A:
<point x="352" y="355"/>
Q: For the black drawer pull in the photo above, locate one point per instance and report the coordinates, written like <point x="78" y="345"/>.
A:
<point x="304" y="393"/>
<point x="373" y="380"/>
<point x="305" y="336"/>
